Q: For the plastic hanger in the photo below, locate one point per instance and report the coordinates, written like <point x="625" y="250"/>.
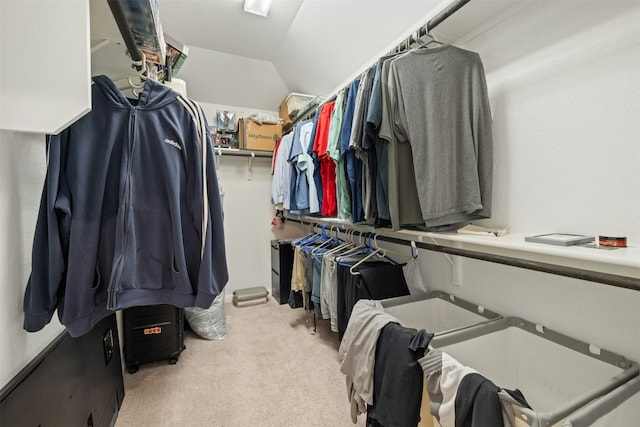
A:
<point x="326" y="243"/>
<point x="377" y="250"/>
<point x="315" y="238"/>
<point x="354" y="250"/>
<point x="380" y="252"/>
<point x="300" y="240"/>
<point x="344" y="245"/>
<point x="426" y="39"/>
<point x="389" y="251"/>
<point x="140" y="74"/>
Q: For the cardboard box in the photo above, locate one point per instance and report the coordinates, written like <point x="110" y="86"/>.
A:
<point x="258" y="137"/>
<point x="284" y="114"/>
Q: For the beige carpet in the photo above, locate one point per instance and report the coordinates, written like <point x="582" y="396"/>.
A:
<point x="268" y="371"/>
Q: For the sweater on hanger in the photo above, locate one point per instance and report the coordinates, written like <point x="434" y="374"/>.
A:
<point x="130" y="214"/>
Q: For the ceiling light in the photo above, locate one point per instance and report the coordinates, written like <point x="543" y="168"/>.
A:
<point x="258" y="7"/>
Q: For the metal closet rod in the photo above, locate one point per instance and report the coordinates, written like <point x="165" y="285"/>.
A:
<point x="241" y="153"/>
<point x="450" y="10"/>
<point x="559" y="270"/>
<point x="125" y="31"/>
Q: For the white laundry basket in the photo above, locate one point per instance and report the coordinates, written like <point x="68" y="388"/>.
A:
<point x="437" y="312"/>
<point x="557" y="374"/>
<point x="621" y="406"/>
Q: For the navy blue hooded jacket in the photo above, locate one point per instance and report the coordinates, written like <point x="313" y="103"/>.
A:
<point x="130" y="214"/>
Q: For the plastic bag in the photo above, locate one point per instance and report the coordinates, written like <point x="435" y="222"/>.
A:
<point x="211" y="323"/>
<point x="227" y="121"/>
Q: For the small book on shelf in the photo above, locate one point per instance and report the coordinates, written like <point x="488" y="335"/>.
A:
<point x="560" y="239"/>
<point x="477" y="230"/>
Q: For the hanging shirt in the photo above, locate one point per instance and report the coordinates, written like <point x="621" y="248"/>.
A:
<point x="440" y="105"/>
<point x="306" y="166"/>
<point x="356" y="139"/>
<point x="353" y="164"/>
<point x="342" y="191"/>
<point x="402" y="193"/>
<point x="327" y="165"/>
<point x="281" y="182"/>
<point x="297" y="202"/>
<point x="372" y="125"/>
<point x="303" y="192"/>
<point x="316" y="162"/>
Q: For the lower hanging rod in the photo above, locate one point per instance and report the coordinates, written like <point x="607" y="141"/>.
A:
<point x="543" y="267"/>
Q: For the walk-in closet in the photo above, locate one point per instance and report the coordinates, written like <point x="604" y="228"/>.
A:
<point x="320" y="213"/>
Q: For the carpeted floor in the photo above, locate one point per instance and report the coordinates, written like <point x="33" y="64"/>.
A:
<point x="270" y="370"/>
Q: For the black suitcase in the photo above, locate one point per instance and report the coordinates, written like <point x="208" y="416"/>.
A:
<point x="152" y="333"/>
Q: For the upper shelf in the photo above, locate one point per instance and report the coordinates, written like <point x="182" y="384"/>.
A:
<point x="619" y="261"/>
<point x="620" y="266"/>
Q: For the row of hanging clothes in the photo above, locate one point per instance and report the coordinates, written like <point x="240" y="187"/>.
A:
<point x="406" y="144"/>
<point x="330" y="274"/>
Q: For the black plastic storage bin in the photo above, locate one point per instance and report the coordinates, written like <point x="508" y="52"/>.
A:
<point x="152" y="333"/>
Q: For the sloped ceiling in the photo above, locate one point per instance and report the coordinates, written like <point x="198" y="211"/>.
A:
<point x="314" y="46"/>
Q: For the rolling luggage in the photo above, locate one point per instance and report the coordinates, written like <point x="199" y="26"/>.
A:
<point x="152" y="333"/>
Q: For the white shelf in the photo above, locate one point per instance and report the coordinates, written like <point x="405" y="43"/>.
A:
<point x="623" y="262"/>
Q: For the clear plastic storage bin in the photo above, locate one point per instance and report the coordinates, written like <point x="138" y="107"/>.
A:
<point x="295" y="102"/>
<point x="558" y="375"/>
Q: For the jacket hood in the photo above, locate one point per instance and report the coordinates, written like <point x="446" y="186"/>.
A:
<point x="153" y="95"/>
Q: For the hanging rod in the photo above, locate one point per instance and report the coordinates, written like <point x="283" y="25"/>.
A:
<point x="450" y="10"/>
<point x="241" y="153"/>
<point x="543" y="267"/>
<point x="125" y="31"/>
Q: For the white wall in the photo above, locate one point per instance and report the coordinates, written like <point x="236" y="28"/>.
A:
<point x="22" y="171"/>
<point x="564" y="89"/>
<point x="564" y="94"/>
<point x="248" y="210"/>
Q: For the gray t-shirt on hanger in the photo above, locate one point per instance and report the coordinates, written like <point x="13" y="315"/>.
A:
<point x="439" y="104"/>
